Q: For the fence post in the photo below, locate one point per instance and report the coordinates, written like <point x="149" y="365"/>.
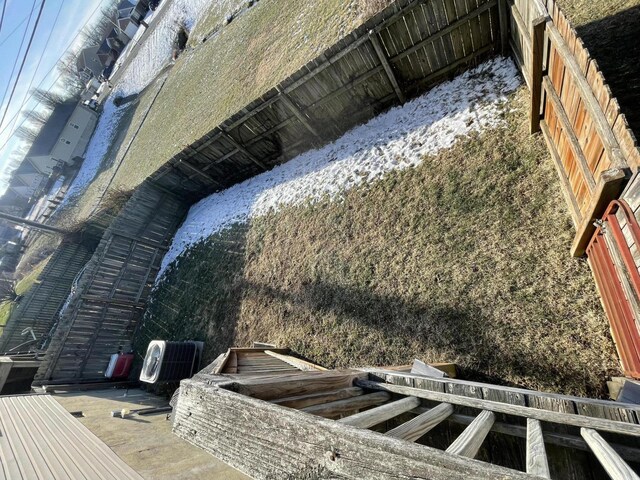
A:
<point x="537" y="50"/>
<point x="385" y="64"/>
<point x="503" y="18"/>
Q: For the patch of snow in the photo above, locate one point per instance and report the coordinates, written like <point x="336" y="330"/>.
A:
<point x="103" y="136"/>
<point x="395" y="140"/>
<point x="156" y="51"/>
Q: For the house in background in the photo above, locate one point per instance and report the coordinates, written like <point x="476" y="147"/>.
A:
<point x="61" y="142"/>
<point x="89" y="64"/>
<point x="125" y="20"/>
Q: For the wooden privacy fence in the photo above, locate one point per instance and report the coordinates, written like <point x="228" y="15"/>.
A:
<point x="402" y="51"/>
<point x="588" y="137"/>
<point x="39" y="308"/>
<point x="111" y="294"/>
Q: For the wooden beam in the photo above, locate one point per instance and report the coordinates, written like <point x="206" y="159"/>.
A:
<point x="381" y="414"/>
<point x="561" y="439"/>
<point x="536" y="454"/>
<point x="296" y="362"/>
<point x="598" y="117"/>
<point x="298" y="113"/>
<point x="518" y="410"/>
<point x="504" y="26"/>
<point x="423" y="423"/>
<point x="348" y="405"/>
<point x="576" y="149"/>
<point x="373" y="36"/>
<point x="244" y="150"/>
<point x="537" y="53"/>
<point x="615" y="466"/>
<point x="296" y="384"/>
<point x="302" y="401"/>
<point x="199" y="172"/>
<point x="215" y="419"/>
<point x="470" y="441"/>
<point x="609" y="186"/>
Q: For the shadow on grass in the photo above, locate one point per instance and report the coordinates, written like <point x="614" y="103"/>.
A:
<point x="612" y="42"/>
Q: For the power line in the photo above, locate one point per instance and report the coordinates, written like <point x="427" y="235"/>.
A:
<point x="78" y="33"/>
<point x="24" y="59"/>
<point x="13" y="31"/>
<point x="15" y="62"/>
<point x="42" y="54"/>
<point x="4" y="6"/>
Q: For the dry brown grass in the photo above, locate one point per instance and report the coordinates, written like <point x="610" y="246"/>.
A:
<point x="463" y="259"/>
<point x="368" y="8"/>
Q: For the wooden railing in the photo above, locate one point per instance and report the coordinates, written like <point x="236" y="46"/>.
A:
<point x="588" y="137"/>
<point x="340" y="421"/>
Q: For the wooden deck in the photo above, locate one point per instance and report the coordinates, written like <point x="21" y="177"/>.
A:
<point x="41" y="440"/>
<point x="389" y="424"/>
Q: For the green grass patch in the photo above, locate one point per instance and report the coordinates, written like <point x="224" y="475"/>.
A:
<point x="5" y="312"/>
<point x="462" y="259"/>
<point x="218" y="78"/>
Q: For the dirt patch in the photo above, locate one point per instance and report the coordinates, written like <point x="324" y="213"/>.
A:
<point x="463" y="259"/>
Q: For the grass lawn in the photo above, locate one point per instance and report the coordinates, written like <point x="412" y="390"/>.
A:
<point x="242" y="61"/>
<point x="217" y="78"/>
<point x="22" y="287"/>
<point x="462" y="259"/>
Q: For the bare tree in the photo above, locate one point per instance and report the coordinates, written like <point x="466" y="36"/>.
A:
<point x="47" y="98"/>
<point x="36" y="117"/>
<point x="27" y="133"/>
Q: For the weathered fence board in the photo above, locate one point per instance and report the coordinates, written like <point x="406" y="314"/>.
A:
<point x="103" y="313"/>
<point x="400" y="52"/>
<point x="38" y="309"/>
<point x="585" y="131"/>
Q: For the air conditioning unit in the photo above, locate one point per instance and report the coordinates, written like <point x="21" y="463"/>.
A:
<point x="170" y="361"/>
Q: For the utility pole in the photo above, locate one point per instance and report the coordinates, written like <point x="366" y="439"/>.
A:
<point x="31" y="224"/>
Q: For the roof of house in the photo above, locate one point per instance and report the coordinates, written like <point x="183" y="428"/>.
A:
<point x="41" y="440"/>
<point x="51" y="131"/>
<point x="85" y="57"/>
<point x="26" y="168"/>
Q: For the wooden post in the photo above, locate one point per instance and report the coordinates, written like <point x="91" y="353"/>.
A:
<point x="607" y="456"/>
<point x="423" y="423"/>
<point x="536" y="454"/>
<point x="373" y="36"/>
<point x="537" y="50"/>
<point x="608" y="188"/>
<point x="30" y="224"/>
<point x="504" y="26"/>
<point x="470" y="441"/>
<point x="297" y="112"/>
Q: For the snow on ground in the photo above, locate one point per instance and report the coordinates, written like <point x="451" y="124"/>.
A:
<point x="153" y="55"/>
<point x="156" y="51"/>
<point x="103" y="136"/>
<point x="395" y="140"/>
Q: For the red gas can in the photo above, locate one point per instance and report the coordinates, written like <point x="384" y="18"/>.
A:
<point x="119" y="366"/>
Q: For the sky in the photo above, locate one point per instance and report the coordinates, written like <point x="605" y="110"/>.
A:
<point x="72" y="16"/>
